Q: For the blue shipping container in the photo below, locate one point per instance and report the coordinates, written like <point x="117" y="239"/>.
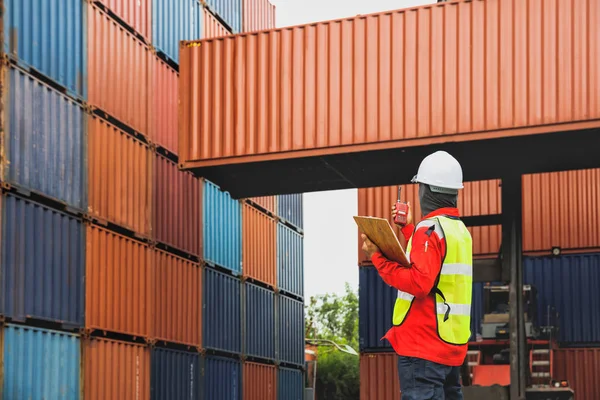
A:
<point x="290" y="384"/>
<point x="175" y="375"/>
<point x="173" y="21"/>
<point x="289" y="207"/>
<point x="290" y="317"/>
<point x="222" y="235"/>
<point x="259" y="315"/>
<point x="49" y="36"/>
<point x="43" y="263"/>
<point x="40" y="364"/>
<point x="290" y="261"/>
<point x="230" y="11"/>
<point x="221" y="312"/>
<point x="46" y="143"/>
<point x="222" y="379"/>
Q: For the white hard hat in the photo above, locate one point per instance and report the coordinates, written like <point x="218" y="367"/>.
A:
<point x="440" y="171"/>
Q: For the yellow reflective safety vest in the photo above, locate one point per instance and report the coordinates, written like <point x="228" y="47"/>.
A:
<point x="454" y="283"/>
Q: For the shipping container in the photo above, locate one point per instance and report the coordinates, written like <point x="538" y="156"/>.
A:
<point x="177" y="219"/>
<point x="173" y="21"/>
<point x="379" y="377"/>
<point x="44" y="144"/>
<point x="290" y="261"/>
<point x="259" y="246"/>
<point x="135" y="14"/>
<point x="259" y="382"/>
<point x="177" y="299"/>
<point x="291" y="210"/>
<point x="229" y="11"/>
<point x="49" y="37"/>
<point x="267" y="203"/>
<point x="163" y="115"/>
<point x="222" y="234"/>
<point x="175" y="375"/>
<point x="580" y="368"/>
<point x="40" y="364"/>
<point x="118" y="283"/>
<point x="259" y="321"/>
<point x="119" y="177"/>
<point x="43" y="271"/>
<point x="290" y="342"/>
<point x="221" y="312"/>
<point x="290" y="384"/>
<point x="258" y="15"/>
<point x="222" y="379"/>
<point x="211" y="27"/>
<point x="115" y="370"/>
<point x="119" y="69"/>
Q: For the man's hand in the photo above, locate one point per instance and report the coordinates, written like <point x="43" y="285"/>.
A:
<point x="368" y="247"/>
<point x="409" y="219"/>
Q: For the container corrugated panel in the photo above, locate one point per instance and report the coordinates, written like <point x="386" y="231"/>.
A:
<point x="379" y="377"/>
<point x="119" y="68"/>
<point x="40" y="364"/>
<point x="119" y="177"/>
<point x="173" y="21"/>
<point x="222" y="379"/>
<point x="486" y="240"/>
<point x="258" y="15"/>
<point x="118" y="283"/>
<point x="268" y="203"/>
<point x="289" y="207"/>
<point x="222" y="234"/>
<point x="290" y="318"/>
<point x="259" y="316"/>
<point x="259" y="382"/>
<point x="43" y="270"/>
<point x="177" y="299"/>
<point x="163" y="115"/>
<point x="376" y="305"/>
<point x="211" y="27"/>
<point x="177" y="209"/>
<point x="45" y="150"/>
<point x="175" y="375"/>
<point x="498" y="79"/>
<point x="221" y="312"/>
<point x="230" y="11"/>
<point x="49" y="36"/>
<point x="115" y="370"/>
<point x="290" y="384"/>
<point x="136" y="14"/>
<point x="259" y="246"/>
<point x="564" y="283"/>
<point x="580" y="368"/>
<point x="290" y="260"/>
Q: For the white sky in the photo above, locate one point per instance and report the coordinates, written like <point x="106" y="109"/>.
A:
<point x="330" y="241"/>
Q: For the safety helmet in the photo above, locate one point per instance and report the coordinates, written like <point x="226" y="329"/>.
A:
<point x="441" y="172"/>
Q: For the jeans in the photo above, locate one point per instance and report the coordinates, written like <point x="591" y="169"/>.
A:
<point x="426" y="380"/>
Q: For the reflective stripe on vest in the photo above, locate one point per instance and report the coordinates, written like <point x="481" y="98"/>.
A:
<point x="454" y="284"/>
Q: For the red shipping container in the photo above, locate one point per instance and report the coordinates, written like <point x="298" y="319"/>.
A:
<point x="580" y="367"/>
<point x="163" y="115"/>
<point x="379" y="377"/>
<point x="135" y="13"/>
<point x="259" y="246"/>
<point x="212" y="28"/>
<point x="259" y="382"/>
<point x="258" y="15"/>
<point x="268" y="203"/>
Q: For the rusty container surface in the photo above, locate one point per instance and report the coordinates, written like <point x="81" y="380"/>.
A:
<point x="259" y="381"/>
<point x="268" y="203"/>
<point x="163" y="103"/>
<point x="136" y="14"/>
<point x="119" y="177"/>
<point x="118" y="283"/>
<point x="118" y="69"/>
<point x="115" y="370"/>
<point x="177" y="300"/>
<point x="379" y="376"/>
<point x="177" y="211"/>
<point x="257" y="15"/>
<point x="259" y="246"/>
<point x="211" y="27"/>
<point x="580" y="367"/>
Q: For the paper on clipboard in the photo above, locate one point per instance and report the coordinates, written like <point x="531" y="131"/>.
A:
<point x="380" y="232"/>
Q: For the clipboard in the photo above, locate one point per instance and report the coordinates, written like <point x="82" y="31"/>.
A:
<point x="380" y="232"/>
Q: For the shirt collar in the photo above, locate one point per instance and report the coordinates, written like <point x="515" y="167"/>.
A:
<point x="449" y="211"/>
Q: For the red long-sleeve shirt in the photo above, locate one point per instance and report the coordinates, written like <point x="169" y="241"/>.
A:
<point x="417" y="336"/>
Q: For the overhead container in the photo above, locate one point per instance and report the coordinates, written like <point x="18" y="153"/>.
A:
<point x="580" y="368"/>
<point x="43" y="263"/>
<point x="173" y="21"/>
<point x="40" y="364"/>
<point x="119" y="71"/>
<point x="268" y="203"/>
<point x="290" y="261"/>
<point x="221" y="312"/>
<point x="259" y="382"/>
<point x="229" y="11"/>
<point x="115" y="370"/>
<point x="222" y="379"/>
<point x="177" y="300"/>
<point x="177" y="219"/>
<point x="118" y="283"/>
<point x="136" y="14"/>
<point x="222" y="234"/>
<point x="44" y="143"/>
<point x="175" y="375"/>
<point x="211" y="27"/>
<point x="290" y="320"/>
<point x="259" y="321"/>
<point x="290" y="384"/>
<point x="119" y="177"/>
<point x="50" y="37"/>
<point x="163" y="106"/>
<point x="291" y="210"/>
<point x="258" y="15"/>
<point x="259" y="246"/>
<point x="379" y="376"/>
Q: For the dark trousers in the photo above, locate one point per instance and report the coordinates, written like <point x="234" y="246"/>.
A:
<point x="426" y="380"/>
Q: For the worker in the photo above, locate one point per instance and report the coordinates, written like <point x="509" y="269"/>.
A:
<point x="431" y="319"/>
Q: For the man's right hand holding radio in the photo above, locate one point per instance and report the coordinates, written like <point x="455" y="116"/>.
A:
<point x="409" y="217"/>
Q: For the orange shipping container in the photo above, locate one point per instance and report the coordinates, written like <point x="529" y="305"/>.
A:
<point x="379" y="377"/>
<point x="580" y="367"/>
<point x="163" y="115"/>
<point x="258" y="15"/>
<point x="136" y="14"/>
<point x="259" y="246"/>
<point x="119" y="177"/>
<point x="212" y="28"/>
<point x="259" y="382"/>
<point x="269" y="203"/>
<point x="115" y="370"/>
<point x="117" y="283"/>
